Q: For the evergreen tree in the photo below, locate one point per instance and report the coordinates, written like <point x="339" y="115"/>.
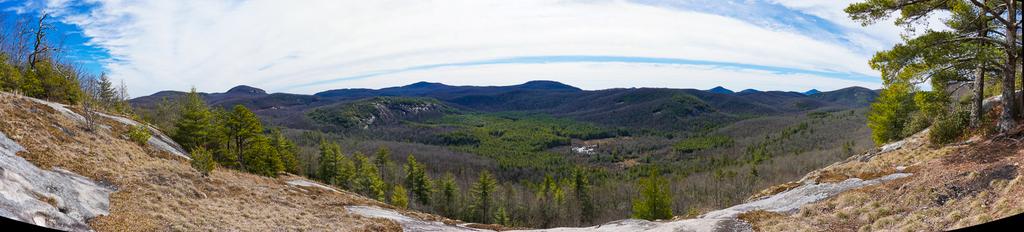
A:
<point x="10" y="76"/>
<point x="261" y="157"/>
<point x="220" y="143"/>
<point x="346" y="171"/>
<point x="982" y="35"/>
<point x="193" y="127"/>
<point x="417" y="181"/>
<point x="581" y="188"/>
<point x="368" y="181"/>
<point x="448" y="192"/>
<point x="385" y="168"/>
<point x="483" y="194"/>
<point x="107" y="93"/>
<point x="58" y="82"/>
<point x="335" y="168"/>
<point x="501" y="217"/>
<point x="890" y="113"/>
<point x="202" y="161"/>
<point x="328" y="170"/>
<point x="382" y="159"/>
<point x="655" y="200"/>
<point x="242" y="128"/>
<point x="399" y="197"/>
<point x="286" y="150"/>
<point x="546" y="198"/>
<point x="31" y="85"/>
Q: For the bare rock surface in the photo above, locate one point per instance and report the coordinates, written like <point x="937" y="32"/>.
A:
<point x="408" y="223"/>
<point x="55" y="199"/>
<point x="790" y="201"/>
<point x="158" y="139"/>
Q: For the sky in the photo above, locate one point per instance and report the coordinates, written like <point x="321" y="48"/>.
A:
<point x="307" y="46"/>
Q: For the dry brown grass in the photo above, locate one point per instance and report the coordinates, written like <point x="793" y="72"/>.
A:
<point x="770" y="191"/>
<point x="952" y="187"/>
<point x="156" y="192"/>
<point x="758" y="215"/>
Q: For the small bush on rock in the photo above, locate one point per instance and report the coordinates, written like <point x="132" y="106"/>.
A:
<point x="949" y="127"/>
<point x="139" y="134"/>
<point x="202" y="160"/>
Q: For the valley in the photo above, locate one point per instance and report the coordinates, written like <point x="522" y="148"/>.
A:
<point x="533" y="137"/>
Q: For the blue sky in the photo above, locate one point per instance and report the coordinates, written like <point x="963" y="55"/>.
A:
<point x="310" y="46"/>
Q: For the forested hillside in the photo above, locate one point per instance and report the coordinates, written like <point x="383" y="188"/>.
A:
<point x="549" y="148"/>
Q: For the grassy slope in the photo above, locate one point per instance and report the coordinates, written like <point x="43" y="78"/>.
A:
<point x="951" y="187"/>
<point x="157" y="192"/>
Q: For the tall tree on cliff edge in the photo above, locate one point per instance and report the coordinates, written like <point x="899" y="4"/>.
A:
<point x="983" y="35"/>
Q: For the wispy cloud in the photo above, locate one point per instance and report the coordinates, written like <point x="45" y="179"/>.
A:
<point x="307" y="46"/>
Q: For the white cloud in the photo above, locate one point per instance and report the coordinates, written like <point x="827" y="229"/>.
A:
<point x="272" y="44"/>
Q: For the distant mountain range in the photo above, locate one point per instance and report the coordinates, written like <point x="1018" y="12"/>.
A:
<point x="653" y="108"/>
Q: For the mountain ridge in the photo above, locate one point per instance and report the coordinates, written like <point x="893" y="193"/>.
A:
<point x="550" y="97"/>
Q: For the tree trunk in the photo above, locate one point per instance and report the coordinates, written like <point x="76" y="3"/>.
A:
<point x="978" y="113"/>
<point x="241" y="152"/>
<point x="38" y="48"/>
<point x="1007" y="119"/>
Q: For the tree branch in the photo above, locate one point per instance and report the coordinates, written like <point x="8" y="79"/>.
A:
<point x="995" y="15"/>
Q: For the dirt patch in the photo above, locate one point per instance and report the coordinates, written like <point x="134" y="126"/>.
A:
<point x="988" y="151"/>
<point x="972" y="183"/>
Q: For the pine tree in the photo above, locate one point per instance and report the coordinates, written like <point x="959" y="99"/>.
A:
<point x="261" y="157"/>
<point x="449" y="193"/>
<point x="31" y="85"/>
<point x="202" y="161"/>
<point x="10" y="76"/>
<point x="385" y="168"/>
<point x="382" y="159"/>
<point x="368" y="181"/>
<point x="890" y="113"/>
<point x="501" y="217"/>
<point x="399" y="197"/>
<point x="286" y="150"/>
<point x="193" y="127"/>
<point x="655" y="200"/>
<point x="346" y="171"/>
<point x="220" y="141"/>
<point x="335" y="168"/>
<point x="242" y="128"/>
<point x="59" y="82"/>
<point x="417" y="181"/>
<point x="581" y="187"/>
<point x="107" y="94"/>
<point x="966" y="47"/>
<point x="328" y="170"/>
<point x="483" y="194"/>
<point x="552" y="198"/>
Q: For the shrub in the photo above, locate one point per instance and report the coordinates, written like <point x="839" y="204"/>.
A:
<point x="918" y="122"/>
<point x="202" y="160"/>
<point x="139" y="134"/>
<point x="949" y="127"/>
